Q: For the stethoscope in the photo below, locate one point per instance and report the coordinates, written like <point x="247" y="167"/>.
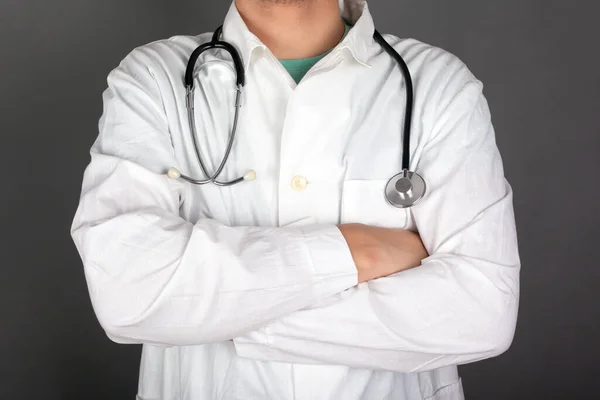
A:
<point x="403" y="190"/>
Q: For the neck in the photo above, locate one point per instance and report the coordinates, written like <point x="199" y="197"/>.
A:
<point x="294" y="29"/>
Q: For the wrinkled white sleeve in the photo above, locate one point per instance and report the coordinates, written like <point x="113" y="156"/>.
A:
<point x="461" y="304"/>
<point x="154" y="277"/>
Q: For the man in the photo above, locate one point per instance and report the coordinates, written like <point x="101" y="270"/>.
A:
<point x="304" y="283"/>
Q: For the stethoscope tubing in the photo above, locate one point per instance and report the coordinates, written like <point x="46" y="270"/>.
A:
<point x="413" y="182"/>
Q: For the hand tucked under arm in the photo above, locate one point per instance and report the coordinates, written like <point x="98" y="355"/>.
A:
<point x="380" y="252"/>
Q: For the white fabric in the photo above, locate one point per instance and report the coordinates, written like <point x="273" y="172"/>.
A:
<point x="249" y="292"/>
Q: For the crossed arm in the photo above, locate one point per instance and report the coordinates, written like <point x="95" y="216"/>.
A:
<point x="283" y="293"/>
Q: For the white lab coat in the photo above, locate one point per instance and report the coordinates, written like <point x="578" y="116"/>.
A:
<point x="250" y="291"/>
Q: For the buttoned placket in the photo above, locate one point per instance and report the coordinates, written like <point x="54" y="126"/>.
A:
<point x="298" y="199"/>
<point x="304" y="197"/>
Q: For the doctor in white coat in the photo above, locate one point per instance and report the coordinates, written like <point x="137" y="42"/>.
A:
<point x="304" y="283"/>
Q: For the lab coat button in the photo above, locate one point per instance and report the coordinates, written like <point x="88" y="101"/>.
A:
<point x="299" y="183"/>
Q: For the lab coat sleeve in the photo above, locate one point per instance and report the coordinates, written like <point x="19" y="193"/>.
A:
<point x="461" y="304"/>
<point x="154" y="277"/>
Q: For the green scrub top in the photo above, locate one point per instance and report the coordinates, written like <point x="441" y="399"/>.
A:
<point x="298" y="68"/>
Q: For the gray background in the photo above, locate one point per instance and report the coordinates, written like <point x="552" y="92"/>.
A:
<point x="538" y="59"/>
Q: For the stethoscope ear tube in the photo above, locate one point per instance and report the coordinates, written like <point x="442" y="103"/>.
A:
<point x="215" y="44"/>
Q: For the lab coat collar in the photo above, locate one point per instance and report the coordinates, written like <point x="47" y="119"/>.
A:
<point x="357" y="41"/>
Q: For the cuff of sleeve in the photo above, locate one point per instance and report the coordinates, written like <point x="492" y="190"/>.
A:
<point x="331" y="260"/>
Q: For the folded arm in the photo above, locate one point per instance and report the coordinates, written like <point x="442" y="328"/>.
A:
<point x="460" y="305"/>
<point x="154" y="277"/>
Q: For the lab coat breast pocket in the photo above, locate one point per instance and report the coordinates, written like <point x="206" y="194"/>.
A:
<point x="363" y="191"/>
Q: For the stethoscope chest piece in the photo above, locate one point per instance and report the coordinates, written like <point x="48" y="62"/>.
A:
<point x="405" y="189"/>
